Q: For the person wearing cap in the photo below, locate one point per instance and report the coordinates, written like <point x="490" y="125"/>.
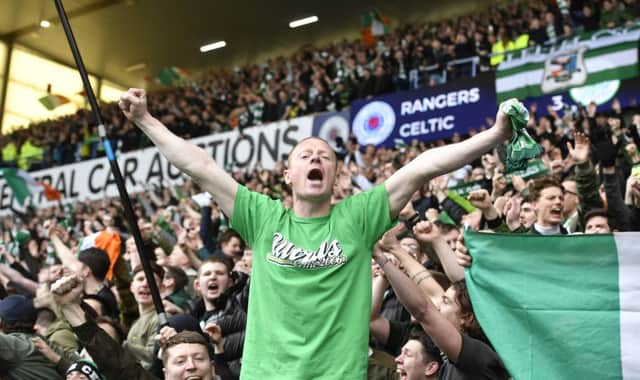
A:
<point x="19" y="358"/>
<point x="83" y="370"/>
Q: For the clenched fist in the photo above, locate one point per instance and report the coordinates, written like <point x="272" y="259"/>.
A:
<point x="133" y="104"/>
<point x="480" y="199"/>
<point x="67" y="290"/>
<point x="426" y="232"/>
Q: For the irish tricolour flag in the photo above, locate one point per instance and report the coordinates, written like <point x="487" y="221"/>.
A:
<point x="107" y="241"/>
<point x="582" y="60"/>
<point x="23" y="185"/>
<point x="559" y="307"/>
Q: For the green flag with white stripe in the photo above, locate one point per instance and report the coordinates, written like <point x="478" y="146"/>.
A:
<point x="585" y="59"/>
<point x="559" y="307"/>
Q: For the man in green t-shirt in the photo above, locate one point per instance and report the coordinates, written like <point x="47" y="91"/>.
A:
<point x="310" y="291"/>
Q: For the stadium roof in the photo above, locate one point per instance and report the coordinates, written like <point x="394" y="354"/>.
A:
<point x="117" y="34"/>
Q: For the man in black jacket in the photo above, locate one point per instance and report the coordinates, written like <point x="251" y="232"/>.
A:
<point x="185" y="355"/>
<point x="225" y="295"/>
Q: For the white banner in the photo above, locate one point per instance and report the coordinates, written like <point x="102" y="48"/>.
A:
<point x="92" y="179"/>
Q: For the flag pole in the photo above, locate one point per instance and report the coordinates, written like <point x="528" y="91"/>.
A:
<point x="115" y="169"/>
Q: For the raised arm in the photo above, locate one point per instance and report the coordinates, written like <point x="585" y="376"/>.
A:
<point x="114" y="361"/>
<point x="378" y="325"/>
<point x="15" y="277"/>
<point x="434" y="162"/>
<point x="428" y="233"/>
<point x="189" y="158"/>
<point x="444" y="333"/>
<point x="63" y="252"/>
<point x="414" y="270"/>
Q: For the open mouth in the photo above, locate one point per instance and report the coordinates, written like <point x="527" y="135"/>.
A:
<point x="556" y="212"/>
<point x="144" y="293"/>
<point x="402" y="373"/>
<point x="315" y="175"/>
<point x="213" y="287"/>
<point x="193" y="378"/>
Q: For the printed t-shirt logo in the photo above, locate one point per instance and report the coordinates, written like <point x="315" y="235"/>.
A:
<point x="285" y="253"/>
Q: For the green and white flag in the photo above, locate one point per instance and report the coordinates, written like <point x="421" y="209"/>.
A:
<point x="585" y="59"/>
<point x="559" y="307"/>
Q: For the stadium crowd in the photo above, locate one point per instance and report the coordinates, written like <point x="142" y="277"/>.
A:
<point x="203" y="267"/>
<point x="318" y="79"/>
<point x="74" y="300"/>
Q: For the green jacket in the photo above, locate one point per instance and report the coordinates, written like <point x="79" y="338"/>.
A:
<point x="140" y="340"/>
<point x="60" y="334"/>
<point x="20" y="359"/>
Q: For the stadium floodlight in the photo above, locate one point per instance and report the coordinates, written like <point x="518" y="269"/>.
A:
<point x="136" y="67"/>
<point x="45" y="23"/>
<point x="303" y="21"/>
<point x="212" y="46"/>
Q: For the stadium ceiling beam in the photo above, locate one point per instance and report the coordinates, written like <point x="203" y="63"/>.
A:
<point x="15" y="34"/>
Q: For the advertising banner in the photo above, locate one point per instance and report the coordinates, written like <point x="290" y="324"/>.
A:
<point x="92" y="179"/>
<point x="333" y="127"/>
<point x="426" y="114"/>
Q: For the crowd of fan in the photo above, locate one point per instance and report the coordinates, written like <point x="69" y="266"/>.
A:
<point x="202" y="267"/>
<point x="322" y="79"/>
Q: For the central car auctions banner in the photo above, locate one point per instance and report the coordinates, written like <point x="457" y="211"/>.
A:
<point x="92" y="179"/>
<point x="426" y="114"/>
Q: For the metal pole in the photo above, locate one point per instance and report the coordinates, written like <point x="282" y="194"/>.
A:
<point x="5" y="80"/>
<point x="115" y="169"/>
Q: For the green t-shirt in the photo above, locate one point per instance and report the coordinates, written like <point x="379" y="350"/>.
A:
<point x="310" y="294"/>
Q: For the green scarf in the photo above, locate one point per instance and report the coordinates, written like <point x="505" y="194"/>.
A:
<point x="521" y="147"/>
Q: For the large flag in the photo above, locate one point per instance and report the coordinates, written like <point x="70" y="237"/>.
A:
<point x="107" y="241"/>
<point x="23" y="185"/>
<point x="171" y="75"/>
<point x="374" y="24"/>
<point x="559" y="307"/>
<point x="582" y="60"/>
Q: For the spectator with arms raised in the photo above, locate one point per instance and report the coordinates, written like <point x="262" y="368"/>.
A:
<point x="311" y="268"/>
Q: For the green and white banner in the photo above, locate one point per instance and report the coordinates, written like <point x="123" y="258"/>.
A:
<point x="559" y="307"/>
<point x="464" y="189"/>
<point x="604" y="55"/>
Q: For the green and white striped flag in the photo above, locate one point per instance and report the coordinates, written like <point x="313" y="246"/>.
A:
<point x="559" y="307"/>
<point x="585" y="59"/>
